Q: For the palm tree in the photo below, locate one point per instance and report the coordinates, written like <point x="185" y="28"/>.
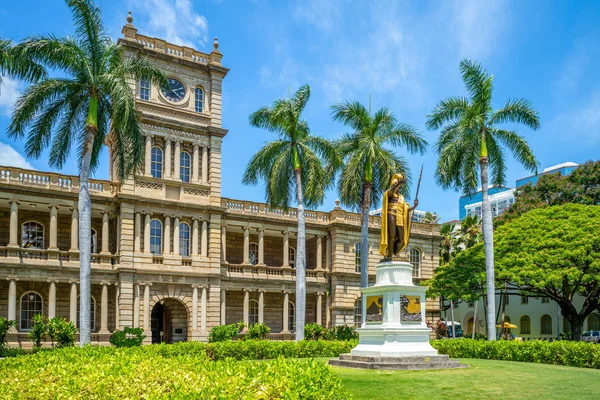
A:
<point x="293" y="164"/>
<point x="367" y="164"/>
<point x="448" y="242"/>
<point x="472" y="134"/>
<point x="18" y="67"/>
<point x="91" y="99"/>
<point x="431" y="218"/>
<point x="470" y="231"/>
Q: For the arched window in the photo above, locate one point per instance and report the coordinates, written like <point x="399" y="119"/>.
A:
<point x="546" y="325"/>
<point x="292" y="257"/>
<point x="199" y="99"/>
<point x="525" y="325"/>
<point x="291" y="317"/>
<point x="253" y="253"/>
<point x="156" y="162"/>
<point x="253" y="312"/>
<point x="357" y="257"/>
<point x="94" y="241"/>
<point x="144" y="89"/>
<point x="470" y="324"/>
<point x="358" y="312"/>
<point x="415" y="260"/>
<point x="593" y="322"/>
<point x="155" y="237"/>
<point x="32" y="235"/>
<point x="92" y="313"/>
<point x="31" y="304"/>
<point x="185" y="166"/>
<point x="184" y="239"/>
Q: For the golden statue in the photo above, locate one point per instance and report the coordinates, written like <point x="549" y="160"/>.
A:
<point x="395" y="219"/>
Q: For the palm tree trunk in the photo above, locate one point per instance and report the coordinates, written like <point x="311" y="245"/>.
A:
<point x="300" y="260"/>
<point x="488" y="243"/>
<point x="85" y="222"/>
<point x="364" y="233"/>
<point x="503" y="331"/>
<point x="474" y="320"/>
<point x="452" y="316"/>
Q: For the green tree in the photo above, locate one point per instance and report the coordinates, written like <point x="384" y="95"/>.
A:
<point x="471" y="136"/>
<point x="470" y="231"/>
<point x="447" y="243"/>
<point x="293" y="164"/>
<point x="367" y="164"/>
<point x="18" y="67"/>
<point x="431" y="218"/>
<point x="92" y="97"/>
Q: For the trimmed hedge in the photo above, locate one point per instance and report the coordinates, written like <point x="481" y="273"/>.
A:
<point x="160" y="371"/>
<point x="261" y="349"/>
<point x="573" y="354"/>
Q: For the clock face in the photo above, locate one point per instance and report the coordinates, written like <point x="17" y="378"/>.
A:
<point x="174" y="91"/>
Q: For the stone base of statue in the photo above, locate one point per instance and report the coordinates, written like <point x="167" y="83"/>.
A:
<point x="394" y="334"/>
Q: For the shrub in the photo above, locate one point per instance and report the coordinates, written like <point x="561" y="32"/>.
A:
<point x="344" y="332"/>
<point x="313" y="331"/>
<point x="225" y="332"/>
<point x="38" y="331"/>
<point x="62" y="332"/>
<point x="574" y="354"/>
<point x="5" y="325"/>
<point x="128" y="337"/>
<point x="258" y="331"/>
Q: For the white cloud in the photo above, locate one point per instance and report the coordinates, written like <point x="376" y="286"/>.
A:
<point x="172" y="20"/>
<point x="582" y="123"/>
<point x="9" y="92"/>
<point x="325" y="15"/>
<point x="9" y="157"/>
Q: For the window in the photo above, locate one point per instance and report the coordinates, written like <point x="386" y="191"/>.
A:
<point x="594" y="322"/>
<point x="185" y="166"/>
<point x="92" y="313"/>
<point x="144" y="89"/>
<point x="184" y="239"/>
<point x="546" y="325"/>
<point x="358" y="312"/>
<point x="253" y="316"/>
<point x="545" y="300"/>
<point x="32" y="235"/>
<point x="253" y="253"/>
<point x="291" y="317"/>
<point x="155" y="237"/>
<point x="156" y="162"/>
<point x="525" y="325"/>
<point x="292" y="257"/>
<point x="524" y="300"/>
<point x="31" y="304"/>
<point x="94" y="241"/>
<point x="415" y="260"/>
<point x="470" y="324"/>
<point x="199" y="99"/>
<point x="357" y="256"/>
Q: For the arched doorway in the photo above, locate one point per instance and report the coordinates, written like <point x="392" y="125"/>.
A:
<point x="169" y="322"/>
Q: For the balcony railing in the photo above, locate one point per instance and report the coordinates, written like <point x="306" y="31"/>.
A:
<point x="31" y="255"/>
<point x="270" y="273"/>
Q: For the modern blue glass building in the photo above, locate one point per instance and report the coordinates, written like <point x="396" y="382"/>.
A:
<point x="564" y="169"/>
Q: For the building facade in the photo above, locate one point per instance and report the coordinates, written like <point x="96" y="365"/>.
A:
<point x="169" y="253"/>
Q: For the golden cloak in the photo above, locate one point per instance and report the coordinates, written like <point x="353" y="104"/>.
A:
<point x="403" y="207"/>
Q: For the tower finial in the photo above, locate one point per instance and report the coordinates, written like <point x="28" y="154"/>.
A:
<point x="216" y="43"/>
<point x="129" y="18"/>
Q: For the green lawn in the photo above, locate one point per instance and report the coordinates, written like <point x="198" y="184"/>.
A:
<point x="485" y="379"/>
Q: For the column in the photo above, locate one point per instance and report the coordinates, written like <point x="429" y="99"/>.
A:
<point x="176" y="237"/>
<point x="205" y="165"/>
<point x="146" y="307"/>
<point x="319" y="308"/>
<point x="74" y="230"/>
<point x="167" y="158"/>
<point x="203" y="310"/>
<point x="261" y="246"/>
<point x="319" y="253"/>
<point x="177" y="163"/>
<point x="148" y="155"/>
<point x="204" y="242"/>
<point x="137" y="229"/>
<point x="14" y="224"/>
<point x="136" y="305"/>
<point x="167" y="236"/>
<point x="328" y="254"/>
<point x="104" y="308"/>
<point x="286" y="308"/>
<point x="147" y="233"/>
<point x="105" y="232"/>
<point x="261" y="306"/>
<point x="12" y="298"/>
<point x="195" y="163"/>
<point x="195" y="238"/>
<point x="53" y="228"/>
<point x="52" y="299"/>
<point x="117" y="311"/>
<point x="224" y="243"/>
<point x="73" y="303"/>
<point x="286" y="249"/>
<point x="223" y="306"/>
<point x="246" y="245"/>
<point x="194" y="307"/>
<point x="246" y="316"/>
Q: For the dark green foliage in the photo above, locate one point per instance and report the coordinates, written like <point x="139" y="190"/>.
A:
<point x="343" y="332"/>
<point x="258" y="331"/>
<point x="222" y="333"/>
<point x="313" y="331"/>
<point x="5" y="325"/>
<point x="128" y="337"/>
<point x="573" y="354"/>
<point x="38" y="331"/>
<point x="61" y="331"/>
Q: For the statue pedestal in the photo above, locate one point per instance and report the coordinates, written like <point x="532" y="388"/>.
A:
<point x="394" y="334"/>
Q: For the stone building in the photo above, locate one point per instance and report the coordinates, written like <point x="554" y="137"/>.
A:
<point x="169" y="254"/>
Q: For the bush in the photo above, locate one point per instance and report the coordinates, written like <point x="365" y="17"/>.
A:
<point x="148" y="372"/>
<point x="313" y="331"/>
<point x="128" y="337"/>
<point x="344" y="332"/>
<point x="62" y="332"/>
<point x="225" y="332"/>
<point x="5" y="325"/>
<point x="574" y="354"/>
<point x="258" y="331"/>
<point x="38" y="331"/>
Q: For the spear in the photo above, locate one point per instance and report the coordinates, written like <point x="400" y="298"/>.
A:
<point x="417" y="193"/>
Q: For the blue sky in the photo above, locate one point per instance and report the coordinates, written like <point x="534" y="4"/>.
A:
<point x="405" y="55"/>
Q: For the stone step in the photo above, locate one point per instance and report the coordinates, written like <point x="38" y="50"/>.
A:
<point x="402" y="363"/>
<point x="399" y="360"/>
